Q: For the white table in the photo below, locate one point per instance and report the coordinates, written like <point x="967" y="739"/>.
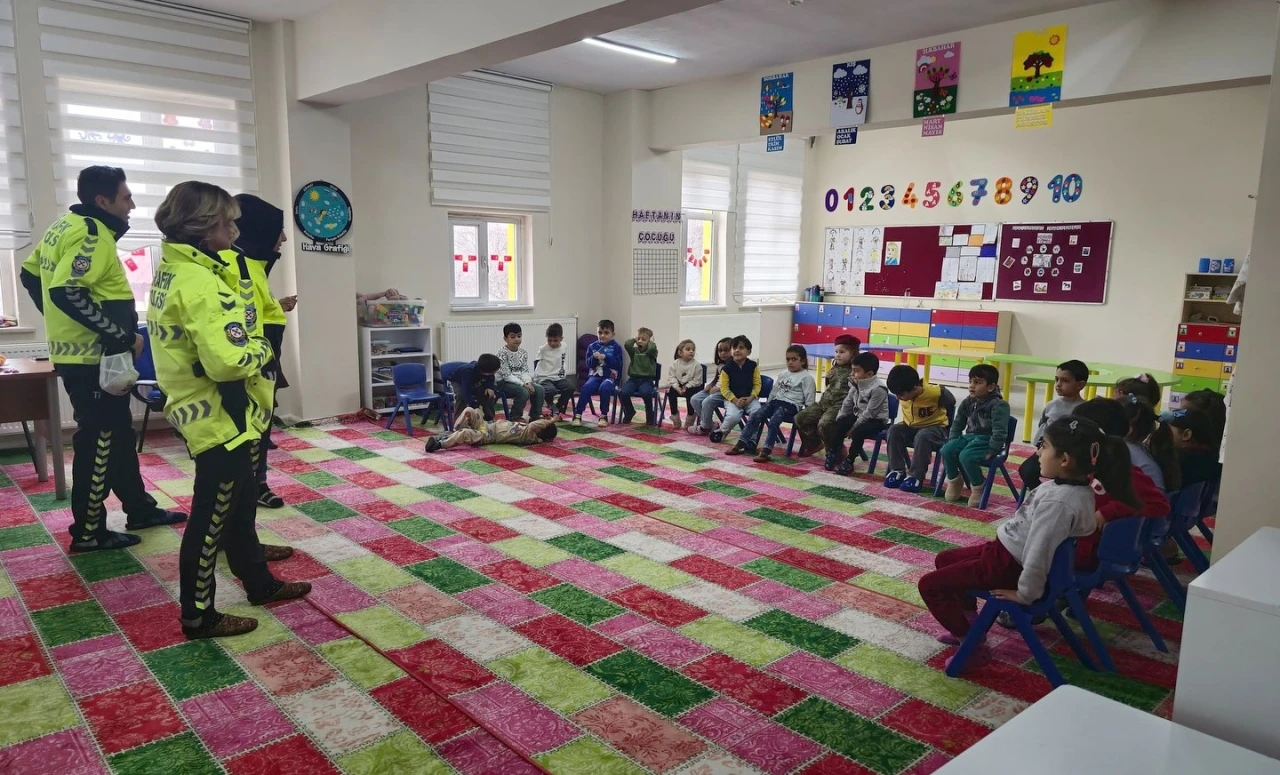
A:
<point x="1073" y="731"/>
<point x="1229" y="666"/>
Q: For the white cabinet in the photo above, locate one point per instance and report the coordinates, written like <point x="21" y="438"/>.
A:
<point x="380" y="350"/>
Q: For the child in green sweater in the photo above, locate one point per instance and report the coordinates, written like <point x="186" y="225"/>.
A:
<point x="643" y="353"/>
<point x="979" y="432"/>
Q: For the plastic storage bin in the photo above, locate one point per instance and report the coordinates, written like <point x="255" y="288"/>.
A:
<point x="407" y="312"/>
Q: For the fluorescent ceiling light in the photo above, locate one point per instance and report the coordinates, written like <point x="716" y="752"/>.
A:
<point x="637" y="52"/>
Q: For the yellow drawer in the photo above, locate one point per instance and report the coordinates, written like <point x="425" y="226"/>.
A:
<point x="969" y="344"/>
<point x="887" y="327"/>
<point x="948" y="344"/>
<point x="1194" y="368"/>
<point x="913" y="329"/>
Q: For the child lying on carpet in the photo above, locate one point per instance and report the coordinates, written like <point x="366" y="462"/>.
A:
<point x="472" y="429"/>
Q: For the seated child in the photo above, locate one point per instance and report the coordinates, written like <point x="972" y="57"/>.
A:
<point x="474" y="431"/>
<point x="923" y="428"/>
<point x="515" y="378"/>
<point x="862" y="415"/>
<point x="1193" y="438"/>
<point x="473" y="385"/>
<point x="978" y="433"/>
<point x="1143" y="386"/>
<point x="550" y="370"/>
<point x="706" y="401"/>
<point x="684" y="378"/>
<point x="740" y="386"/>
<point x="1151" y="444"/>
<point x="604" y="364"/>
<point x="1070" y="379"/>
<point x="1213" y="404"/>
<point x="812" y="422"/>
<point x="640" y="373"/>
<point x="792" y="391"/>
<point x="1015" y="567"/>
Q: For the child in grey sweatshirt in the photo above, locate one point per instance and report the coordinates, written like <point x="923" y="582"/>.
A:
<point x="863" y="415"/>
<point x="792" y="391"/>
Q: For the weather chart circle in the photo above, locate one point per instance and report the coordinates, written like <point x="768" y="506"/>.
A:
<point x="322" y="211"/>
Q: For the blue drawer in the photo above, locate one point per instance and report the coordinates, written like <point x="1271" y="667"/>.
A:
<point x="831" y="314"/>
<point x="1202" y="351"/>
<point x="944" y="331"/>
<point x="916" y="315"/>
<point x="857" y="317"/>
<point x="978" y="333"/>
<point x="890" y="314"/>
<point x="805" y="314"/>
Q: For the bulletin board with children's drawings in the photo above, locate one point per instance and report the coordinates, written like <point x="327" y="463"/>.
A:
<point x="1057" y="262"/>
<point x="952" y="261"/>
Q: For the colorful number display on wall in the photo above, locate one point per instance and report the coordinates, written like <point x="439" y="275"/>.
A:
<point x="1064" y="188"/>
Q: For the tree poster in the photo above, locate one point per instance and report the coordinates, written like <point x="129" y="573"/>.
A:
<point x="1039" y="57"/>
<point x="850" y="93"/>
<point x="775" y="104"/>
<point x="937" y="80"/>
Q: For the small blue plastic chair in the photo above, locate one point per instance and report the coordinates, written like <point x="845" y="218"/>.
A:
<point x="147" y="390"/>
<point x="994" y="464"/>
<point x="1119" y="557"/>
<point x="1209" y="506"/>
<point x="410" y="380"/>
<point x="883" y="436"/>
<point x="1184" y="506"/>
<point x="1188" y="516"/>
<point x="1059" y="585"/>
<point x="616" y="409"/>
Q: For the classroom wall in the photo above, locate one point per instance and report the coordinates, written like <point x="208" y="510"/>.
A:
<point x="1174" y="173"/>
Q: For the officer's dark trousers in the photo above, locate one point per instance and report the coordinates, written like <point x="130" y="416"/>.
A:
<point x="222" y="514"/>
<point x="106" y="459"/>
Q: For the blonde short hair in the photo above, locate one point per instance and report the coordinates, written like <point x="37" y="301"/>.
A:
<point x="193" y="209"/>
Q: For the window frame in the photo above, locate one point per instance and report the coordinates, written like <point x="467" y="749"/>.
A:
<point x="719" y="234"/>
<point x="523" y="261"/>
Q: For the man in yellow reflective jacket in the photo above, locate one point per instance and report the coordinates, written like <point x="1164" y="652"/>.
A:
<point x="75" y="278"/>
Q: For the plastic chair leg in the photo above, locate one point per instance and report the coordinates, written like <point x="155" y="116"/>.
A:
<point x="935" y="478"/>
<point x="1070" y="637"/>
<point x="1188" y="546"/>
<point x="1017" y="496"/>
<point x="1136" y="608"/>
<point x="1204" y="530"/>
<point x="1164" y="574"/>
<point x="987" y="484"/>
<point x="976" y="637"/>
<point x="1038" y="650"/>
<point x="791" y="440"/>
<point x="394" y="411"/>
<point x="875" y="457"/>
<point x="408" y="420"/>
<point x="142" y="437"/>
<point x="1090" y="631"/>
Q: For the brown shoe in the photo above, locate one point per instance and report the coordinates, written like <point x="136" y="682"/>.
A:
<point x="275" y="553"/>
<point x="764" y="456"/>
<point x="225" y="627"/>
<point x="289" y="590"/>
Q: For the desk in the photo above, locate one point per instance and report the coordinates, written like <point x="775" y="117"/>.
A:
<point x="1228" y="673"/>
<point x="1072" y="731"/>
<point x="31" y="393"/>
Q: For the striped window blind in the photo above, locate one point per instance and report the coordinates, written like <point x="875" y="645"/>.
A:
<point x="162" y="92"/>
<point x="490" y="143"/>
<point x="706" y="181"/>
<point x="15" y="220"/>
<point x="770" y="192"/>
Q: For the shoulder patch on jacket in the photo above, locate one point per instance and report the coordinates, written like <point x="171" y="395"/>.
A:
<point x="236" y="334"/>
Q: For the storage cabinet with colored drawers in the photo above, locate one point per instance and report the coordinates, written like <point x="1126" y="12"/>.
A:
<point x="1204" y="353"/>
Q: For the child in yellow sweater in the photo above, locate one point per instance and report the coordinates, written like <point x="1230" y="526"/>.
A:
<point x="923" y="426"/>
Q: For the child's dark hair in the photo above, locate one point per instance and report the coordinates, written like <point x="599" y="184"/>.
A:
<point x="511" y="328"/>
<point x="680" y="347"/>
<point x="741" y="341"/>
<point x="985" y="372"/>
<point x="1155" y="437"/>
<point x="902" y="379"/>
<point x="605" y="325"/>
<point x="642" y="331"/>
<point x="727" y="340"/>
<point x="1076" y="369"/>
<point x="1108" y="413"/>
<point x="488" y="363"/>
<point x="1143" y="386"/>
<point x="867" y="362"/>
<point x="1199" y="423"/>
<point x="1214" y="406"/>
<point x="796" y="349"/>
<point x="1094" y="452"/>
<point x="556" y="330"/>
<point x="548" y="433"/>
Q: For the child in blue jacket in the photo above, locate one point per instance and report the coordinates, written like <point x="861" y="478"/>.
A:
<point x="604" y="364"/>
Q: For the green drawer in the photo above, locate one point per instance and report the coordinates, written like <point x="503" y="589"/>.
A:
<point x="913" y="341"/>
<point x="1188" y="384"/>
<point x="884" y="339"/>
<point x="964" y="367"/>
<point x="944" y="361"/>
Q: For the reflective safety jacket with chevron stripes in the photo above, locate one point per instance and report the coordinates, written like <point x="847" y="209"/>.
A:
<point x="209" y="352"/>
<point x="76" y="280"/>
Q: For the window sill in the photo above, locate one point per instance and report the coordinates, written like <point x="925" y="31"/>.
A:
<point x="493" y="308"/>
<point x="16" y="331"/>
<point x="704" y="308"/>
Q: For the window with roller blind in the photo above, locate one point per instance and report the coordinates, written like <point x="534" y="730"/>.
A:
<point x="164" y="93"/>
<point x="15" y="220"/>
<point x="706" y="194"/>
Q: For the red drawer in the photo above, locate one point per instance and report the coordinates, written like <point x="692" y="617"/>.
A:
<point x="989" y="319"/>
<point x="1210" y="333"/>
<point x="804" y="333"/>
<point x="861" y="334"/>
<point x="950" y="317"/>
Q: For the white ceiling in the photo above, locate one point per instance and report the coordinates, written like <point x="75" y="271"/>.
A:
<point x="261" y="10"/>
<point x="736" y="36"/>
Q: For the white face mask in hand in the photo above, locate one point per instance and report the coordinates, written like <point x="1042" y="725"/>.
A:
<point x="116" y="374"/>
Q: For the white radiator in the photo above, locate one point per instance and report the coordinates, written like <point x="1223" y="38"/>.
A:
<point x="466" y="340"/>
<point x="706" y="330"/>
<point x="41" y="350"/>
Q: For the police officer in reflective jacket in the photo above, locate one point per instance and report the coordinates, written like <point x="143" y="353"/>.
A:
<point x="213" y="365"/>
<point x="75" y="278"/>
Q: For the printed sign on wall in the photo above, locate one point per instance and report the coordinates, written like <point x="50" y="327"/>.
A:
<point x="937" y="80"/>
<point x="776" y="104"/>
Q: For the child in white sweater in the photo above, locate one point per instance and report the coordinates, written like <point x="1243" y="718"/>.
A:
<point x="792" y="391"/>
<point x="684" y="378"/>
<point x="550" y="372"/>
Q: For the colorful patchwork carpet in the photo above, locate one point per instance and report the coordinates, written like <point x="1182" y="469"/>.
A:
<point x="619" y="601"/>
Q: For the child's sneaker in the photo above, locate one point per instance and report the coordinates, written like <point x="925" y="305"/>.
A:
<point x="894" y="480"/>
<point x="717" y="436"/>
<point x="975" y="497"/>
<point x="690" y="421"/>
<point x="846" y="466"/>
<point x="603" y="421"/>
<point x="433" y="444"/>
<point x="833" y="460"/>
<point x="738" y="449"/>
<point x="764" y="456"/>
<point x="910" y="484"/>
<point x="955" y="489"/>
<point x="576" y="421"/>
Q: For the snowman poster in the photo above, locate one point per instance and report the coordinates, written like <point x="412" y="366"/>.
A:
<point x="850" y="93"/>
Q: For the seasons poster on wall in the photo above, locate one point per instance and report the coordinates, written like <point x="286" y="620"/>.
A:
<point x="937" y="89"/>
